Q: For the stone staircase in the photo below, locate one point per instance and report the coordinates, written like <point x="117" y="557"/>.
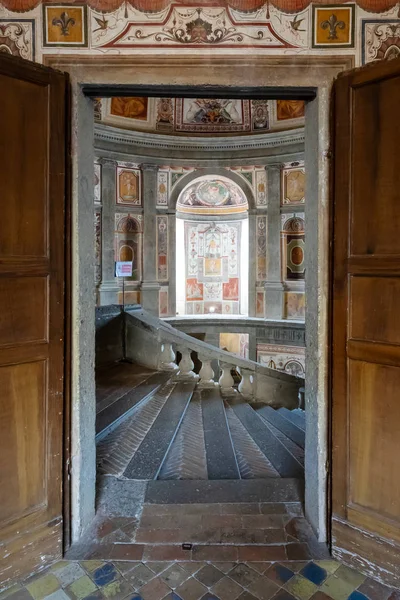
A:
<point x="154" y="426"/>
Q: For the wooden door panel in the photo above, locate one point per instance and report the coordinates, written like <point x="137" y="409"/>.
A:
<point x="23" y="402"/>
<point x="32" y="314"/>
<point x="376" y="318"/>
<point x="375" y="224"/>
<point x="21" y="231"/>
<point x="24" y="316"/>
<point x="373" y="431"/>
<point x="366" y="321"/>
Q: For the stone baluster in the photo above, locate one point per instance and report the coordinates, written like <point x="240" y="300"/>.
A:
<point x="246" y="383"/>
<point x="226" y="380"/>
<point x="206" y="373"/>
<point x="186" y="365"/>
<point x="167" y="357"/>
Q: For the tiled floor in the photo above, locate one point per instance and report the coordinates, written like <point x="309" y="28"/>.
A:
<point x="195" y="580"/>
<point x="246" y="551"/>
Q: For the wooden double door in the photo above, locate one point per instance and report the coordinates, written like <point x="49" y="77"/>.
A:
<point x="365" y="289"/>
<point x="32" y="314"/>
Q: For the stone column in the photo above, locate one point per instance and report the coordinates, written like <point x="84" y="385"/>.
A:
<point x="252" y="262"/>
<point x="150" y="286"/>
<point x="273" y="287"/>
<point x="108" y="290"/>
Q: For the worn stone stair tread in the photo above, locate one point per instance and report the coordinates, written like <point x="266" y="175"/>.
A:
<point x="186" y="458"/>
<point x="148" y="460"/>
<point x="274" y="450"/>
<point x="287" y="427"/>
<point x="186" y="491"/>
<point x="221" y="458"/>
<point x="296" y="416"/>
<point x="125" y="403"/>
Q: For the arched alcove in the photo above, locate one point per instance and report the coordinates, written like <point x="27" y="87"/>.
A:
<point x="212" y="247"/>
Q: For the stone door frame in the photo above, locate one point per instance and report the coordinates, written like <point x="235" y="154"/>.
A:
<point x="277" y="73"/>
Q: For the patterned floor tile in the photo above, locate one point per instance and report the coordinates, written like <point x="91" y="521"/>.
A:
<point x="79" y="589"/>
<point x="117" y="590"/>
<point x="336" y="588"/>
<point x="244" y="575"/>
<point x="191" y="589"/>
<point x="44" y="586"/>
<point x="279" y="574"/>
<point x="174" y="576"/>
<point x="263" y="588"/>
<point x="209" y="575"/>
<point x="300" y="587"/>
<point x="227" y="589"/>
<point x="314" y="573"/>
<point x="374" y="590"/>
<point x="156" y="589"/>
<point x="139" y="576"/>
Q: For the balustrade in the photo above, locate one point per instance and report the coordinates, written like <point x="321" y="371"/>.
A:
<point x="206" y="375"/>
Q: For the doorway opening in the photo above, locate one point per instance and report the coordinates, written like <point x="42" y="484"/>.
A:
<point x="214" y="245"/>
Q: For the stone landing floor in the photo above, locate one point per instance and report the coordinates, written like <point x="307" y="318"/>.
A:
<point x="246" y="551"/>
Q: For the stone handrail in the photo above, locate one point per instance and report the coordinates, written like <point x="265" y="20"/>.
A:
<point x="152" y="342"/>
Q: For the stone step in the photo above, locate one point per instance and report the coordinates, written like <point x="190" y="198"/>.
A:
<point x="294" y="449"/>
<point x="186" y="458"/>
<point x="287" y="427"/>
<point x="122" y="407"/>
<point x="115" y="451"/>
<point x="252" y="462"/>
<point x="221" y="458"/>
<point x="297" y="416"/>
<point x="282" y="460"/>
<point x="224" y="491"/>
<point x="148" y="459"/>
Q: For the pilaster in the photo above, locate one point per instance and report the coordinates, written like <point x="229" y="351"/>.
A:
<point x="274" y="288"/>
<point x="150" y="287"/>
<point x="108" y="290"/>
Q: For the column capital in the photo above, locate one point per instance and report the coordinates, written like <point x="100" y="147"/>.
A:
<point x="149" y="167"/>
<point x="107" y="162"/>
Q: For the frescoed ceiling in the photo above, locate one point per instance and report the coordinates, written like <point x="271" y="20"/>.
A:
<point x="247" y="6"/>
<point x="211" y="195"/>
<point x="200" y="116"/>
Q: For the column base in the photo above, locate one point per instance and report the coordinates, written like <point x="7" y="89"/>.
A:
<point x="108" y="293"/>
<point x="274" y="294"/>
<point x="150" y="297"/>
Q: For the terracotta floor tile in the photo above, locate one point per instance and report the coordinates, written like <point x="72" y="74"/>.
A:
<point x="227" y="589"/>
<point x="164" y="552"/>
<point x="225" y="567"/>
<point x="262" y="522"/>
<point x="263" y="588"/>
<point x="156" y="589"/>
<point x="158" y="567"/>
<point x="191" y="589"/>
<point x="260" y="567"/>
<point x="126" y="552"/>
<point x="174" y="576"/>
<point x="215" y="553"/>
<point x="192" y="567"/>
<point x="279" y="574"/>
<point x="139" y="576"/>
<point x="242" y="508"/>
<point x="298" y="551"/>
<point x="261" y="553"/>
<point x="209" y="575"/>
<point x="244" y="575"/>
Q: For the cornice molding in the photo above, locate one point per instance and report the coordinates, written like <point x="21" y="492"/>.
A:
<point x="115" y="135"/>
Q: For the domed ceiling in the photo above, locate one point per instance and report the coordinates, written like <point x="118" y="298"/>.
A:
<point x="212" y="195"/>
<point x="200" y="116"/>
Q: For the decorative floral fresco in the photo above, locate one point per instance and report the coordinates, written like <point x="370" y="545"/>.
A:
<point x="261" y="250"/>
<point x="366" y="29"/>
<point x="295" y="306"/>
<point x="162" y="248"/>
<point x="201" y="116"/>
<point x="128" y="186"/>
<point x="211" y="195"/>
<point x="17" y="37"/>
<point x="290" y="359"/>
<point x="212" y="253"/>
<point x="293" y="245"/>
<point x="293" y="183"/>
